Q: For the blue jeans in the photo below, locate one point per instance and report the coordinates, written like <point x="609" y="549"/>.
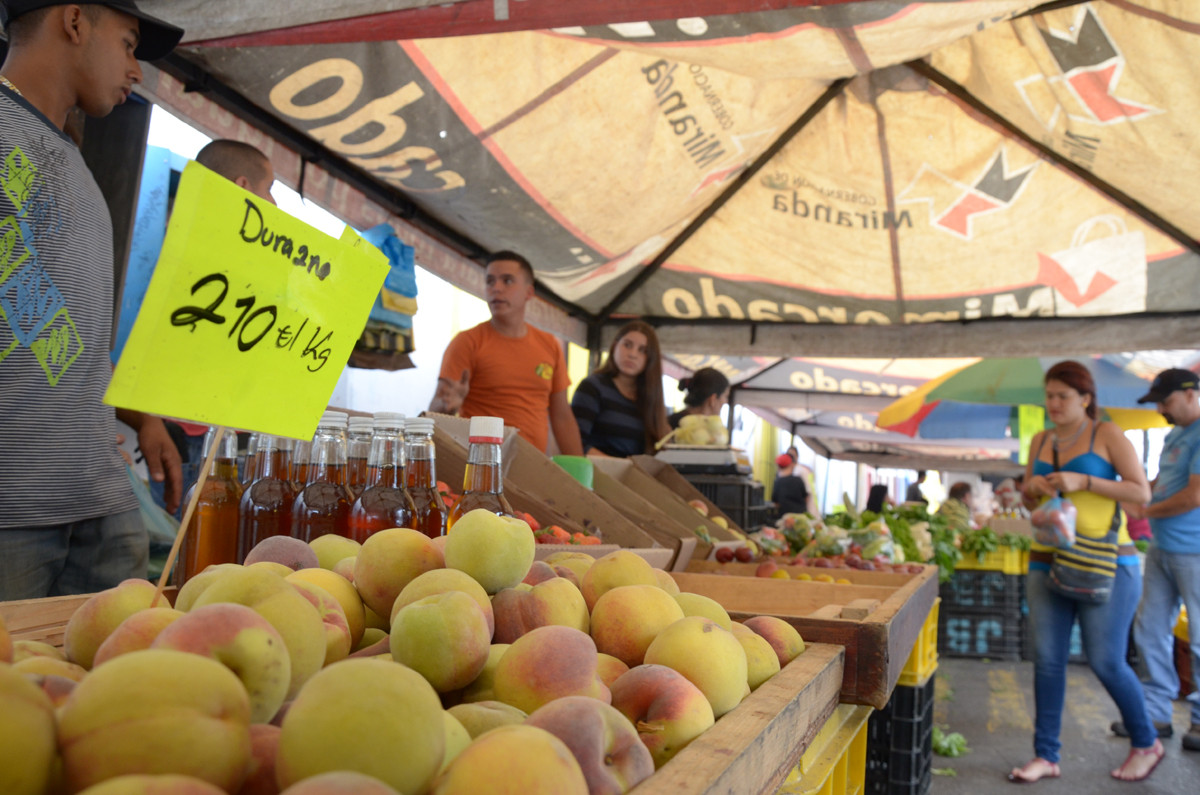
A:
<point x="1170" y="579"/>
<point x="1105" y="630"/>
<point x="76" y="558"/>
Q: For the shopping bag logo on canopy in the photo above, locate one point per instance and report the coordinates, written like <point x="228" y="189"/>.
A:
<point x="250" y="316"/>
<point x="1106" y="275"/>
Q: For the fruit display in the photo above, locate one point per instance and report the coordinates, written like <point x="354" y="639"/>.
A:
<point x="401" y="666"/>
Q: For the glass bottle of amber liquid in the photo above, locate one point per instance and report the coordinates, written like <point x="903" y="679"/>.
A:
<point x="429" y="515"/>
<point x="358" y="454"/>
<point x="323" y="507"/>
<point x="267" y="502"/>
<point x="385" y="503"/>
<point x="212" y="535"/>
<point x="301" y="454"/>
<point x="483" y="484"/>
<point x="248" y="467"/>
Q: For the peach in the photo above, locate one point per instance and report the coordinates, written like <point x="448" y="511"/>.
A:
<point x="153" y="785"/>
<point x="514" y="760"/>
<point x="614" y="570"/>
<point x="444" y="638"/>
<point x="782" y="636"/>
<point x="442" y="581"/>
<point x="284" y="550"/>
<point x="539" y="571"/>
<point x="242" y="641"/>
<point x="576" y="562"/>
<point x="568" y="574"/>
<point x="136" y="632"/>
<point x="57" y="688"/>
<point x="51" y="666"/>
<point x="342" y="782"/>
<point x="345" y="567"/>
<point x="554" y="602"/>
<point x="693" y="604"/>
<point x="156" y="711"/>
<point x="96" y="619"/>
<point x="602" y="740"/>
<point x="609" y="668"/>
<point x="383" y="646"/>
<point x="24" y="649"/>
<point x="192" y="589"/>
<point x="628" y="618"/>
<point x="548" y="663"/>
<point x="483" y="689"/>
<point x="365" y="716"/>
<point x="483" y="716"/>
<point x="496" y="551"/>
<point x="6" y="643"/>
<point x="761" y="661"/>
<point x="278" y="569"/>
<point x="457" y="739"/>
<point x="374" y="620"/>
<point x="709" y="657"/>
<point x="668" y="710"/>
<point x="260" y="776"/>
<point x="667" y="582"/>
<point x="333" y="617"/>
<point x="278" y="601"/>
<point x="333" y="548"/>
<point x="391" y="559"/>
<point x="371" y="636"/>
<point x="440" y="543"/>
<point x="27" y="742"/>
<point x="341" y="589"/>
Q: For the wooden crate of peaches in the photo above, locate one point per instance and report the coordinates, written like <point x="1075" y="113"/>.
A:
<point x="407" y="665"/>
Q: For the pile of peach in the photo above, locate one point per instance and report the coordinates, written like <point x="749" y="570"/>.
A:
<point x="406" y="665"/>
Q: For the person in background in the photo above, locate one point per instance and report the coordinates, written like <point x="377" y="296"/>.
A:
<point x="790" y="492"/>
<point x="957" y="507"/>
<point x="913" y="494"/>
<point x="619" y="408"/>
<point x="1172" y="573"/>
<point x="1093" y="464"/>
<point x="69" y="521"/>
<point x="249" y="169"/>
<point x="506" y="368"/>
<point x="707" y="391"/>
<point x="878" y="497"/>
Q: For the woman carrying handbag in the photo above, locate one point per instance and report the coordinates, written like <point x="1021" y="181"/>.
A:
<point x="1092" y="575"/>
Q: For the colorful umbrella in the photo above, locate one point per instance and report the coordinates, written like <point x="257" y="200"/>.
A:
<point x="955" y="396"/>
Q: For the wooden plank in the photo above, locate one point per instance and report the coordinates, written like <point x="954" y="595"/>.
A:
<point x="778" y="597"/>
<point x="828" y="611"/>
<point x="669" y="476"/>
<point x="45" y="620"/>
<point x="886" y="579"/>
<point x="860" y="609"/>
<point x="751" y="750"/>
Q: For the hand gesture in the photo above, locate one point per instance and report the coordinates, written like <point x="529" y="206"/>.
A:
<point x="1037" y="487"/>
<point x="1067" y="481"/>
<point x="162" y="459"/>
<point x="451" y="394"/>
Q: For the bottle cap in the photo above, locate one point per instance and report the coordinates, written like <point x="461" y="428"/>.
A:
<point x="390" y="420"/>
<point x="361" y="424"/>
<point x="487" y="430"/>
<point x="334" y="419"/>
<point x="418" y="425"/>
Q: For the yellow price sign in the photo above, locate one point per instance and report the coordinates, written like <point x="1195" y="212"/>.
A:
<point x="250" y="316"/>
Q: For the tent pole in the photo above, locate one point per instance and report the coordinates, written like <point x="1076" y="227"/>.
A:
<point x="1131" y="204"/>
<point x="732" y="405"/>
<point x="652" y="267"/>
<point x="595" y="350"/>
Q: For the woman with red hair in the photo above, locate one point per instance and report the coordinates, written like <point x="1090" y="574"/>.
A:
<point x="1097" y="580"/>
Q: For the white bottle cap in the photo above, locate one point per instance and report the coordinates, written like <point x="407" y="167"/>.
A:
<point x="334" y="419"/>
<point x="390" y="420"/>
<point x="361" y="424"/>
<point x="486" y="430"/>
<point x="418" y="425"/>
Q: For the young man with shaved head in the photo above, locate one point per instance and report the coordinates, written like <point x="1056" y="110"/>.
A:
<point x="68" y="518"/>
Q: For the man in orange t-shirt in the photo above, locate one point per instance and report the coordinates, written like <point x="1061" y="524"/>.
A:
<point x="506" y="368"/>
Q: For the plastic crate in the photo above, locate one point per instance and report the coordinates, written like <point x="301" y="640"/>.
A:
<point x="977" y="634"/>
<point x="835" y="761"/>
<point x="900" y="743"/>
<point x="977" y="589"/>
<point x="923" y="660"/>
<point x="1005" y="559"/>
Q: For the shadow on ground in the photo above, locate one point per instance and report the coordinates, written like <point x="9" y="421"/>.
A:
<point x="991" y="703"/>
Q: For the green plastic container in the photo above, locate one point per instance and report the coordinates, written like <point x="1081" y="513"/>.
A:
<point x="578" y="467"/>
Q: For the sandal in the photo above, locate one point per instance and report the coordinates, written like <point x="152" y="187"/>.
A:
<point x="1023" y="775"/>
<point x="1156" y="750"/>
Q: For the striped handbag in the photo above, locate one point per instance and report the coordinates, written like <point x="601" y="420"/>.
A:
<point x="1086" y="572"/>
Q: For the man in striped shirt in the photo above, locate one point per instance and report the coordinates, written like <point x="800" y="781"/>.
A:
<point x="68" y="518"/>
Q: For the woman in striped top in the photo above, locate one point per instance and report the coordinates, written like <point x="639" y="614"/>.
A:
<point x="620" y="407"/>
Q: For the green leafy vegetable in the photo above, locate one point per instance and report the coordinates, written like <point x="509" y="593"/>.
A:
<point x="1016" y="541"/>
<point x="944" y="771"/>
<point x="952" y="745"/>
<point x="980" y="542"/>
<point x="1142" y="545"/>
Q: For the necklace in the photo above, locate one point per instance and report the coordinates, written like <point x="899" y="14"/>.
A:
<point x="9" y="85"/>
<point x="1066" y="445"/>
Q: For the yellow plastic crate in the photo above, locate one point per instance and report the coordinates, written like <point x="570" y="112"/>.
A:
<point x="923" y="660"/>
<point x="1005" y="559"/>
<point x="836" y="761"/>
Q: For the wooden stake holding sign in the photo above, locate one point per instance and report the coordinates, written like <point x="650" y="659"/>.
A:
<point x="187" y="514"/>
<point x="249" y="319"/>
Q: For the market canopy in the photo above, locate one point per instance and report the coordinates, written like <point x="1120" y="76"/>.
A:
<point x="769" y="176"/>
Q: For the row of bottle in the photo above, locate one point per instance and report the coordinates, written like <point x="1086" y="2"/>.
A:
<point x="351" y="485"/>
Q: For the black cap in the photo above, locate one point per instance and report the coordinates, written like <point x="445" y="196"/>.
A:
<point x="157" y="38"/>
<point x="1169" y="381"/>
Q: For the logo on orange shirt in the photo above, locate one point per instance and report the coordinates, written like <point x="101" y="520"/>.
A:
<point x="545" y="371"/>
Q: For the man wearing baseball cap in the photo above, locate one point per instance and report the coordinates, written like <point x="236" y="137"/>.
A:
<point x="1173" y="562"/>
<point x="69" y="521"/>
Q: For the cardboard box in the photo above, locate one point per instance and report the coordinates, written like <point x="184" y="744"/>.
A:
<point x="666" y="531"/>
<point x="669" y="476"/>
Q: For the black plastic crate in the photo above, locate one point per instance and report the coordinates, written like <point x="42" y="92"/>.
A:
<point x="900" y="743"/>
<point x="983" y="591"/>
<point x="977" y="634"/>
<point x="735" y="491"/>
<point x="911" y="703"/>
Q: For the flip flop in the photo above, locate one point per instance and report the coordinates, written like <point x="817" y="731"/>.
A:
<point x="1156" y="750"/>
<point x="1017" y="776"/>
